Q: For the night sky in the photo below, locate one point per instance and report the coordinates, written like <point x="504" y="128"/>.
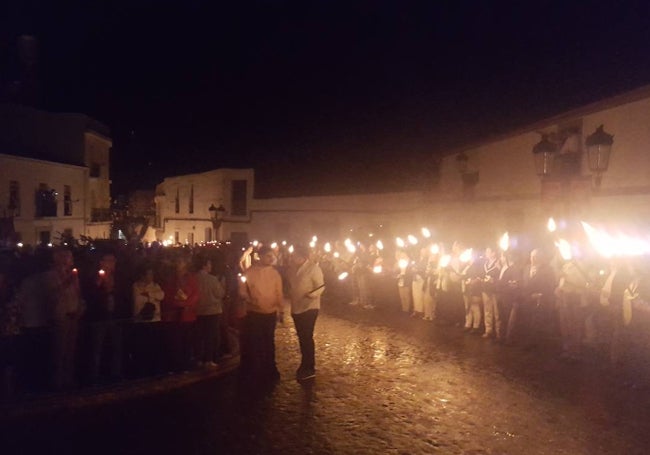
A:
<point x="320" y="96"/>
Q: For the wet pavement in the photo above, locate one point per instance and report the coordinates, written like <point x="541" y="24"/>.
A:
<point x="385" y="384"/>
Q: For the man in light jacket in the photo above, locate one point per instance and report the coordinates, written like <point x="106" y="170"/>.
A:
<point x="307" y="285"/>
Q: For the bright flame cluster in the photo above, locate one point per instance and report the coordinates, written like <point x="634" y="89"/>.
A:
<point x="615" y="245"/>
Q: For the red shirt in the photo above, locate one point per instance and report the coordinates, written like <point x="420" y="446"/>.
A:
<point x="181" y="299"/>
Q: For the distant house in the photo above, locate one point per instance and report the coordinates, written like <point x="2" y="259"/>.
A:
<point x="183" y="212"/>
<point x="55" y="174"/>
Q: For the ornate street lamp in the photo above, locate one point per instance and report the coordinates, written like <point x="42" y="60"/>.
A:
<point x="599" y="148"/>
<point x="544" y="154"/>
<point x="216" y="215"/>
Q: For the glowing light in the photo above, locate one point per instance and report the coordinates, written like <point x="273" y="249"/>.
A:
<point x="291" y="249"/>
<point x="327" y="247"/>
<point x="551" y="226"/>
<point x="343" y="276"/>
<point x="347" y="242"/>
<point x="75" y="271"/>
<point x="102" y="272"/>
<point x="19" y="244"/>
<point x="312" y="244"/>
<point x="377" y="269"/>
<point x="380" y="245"/>
<point x="434" y="249"/>
<point x="49" y="245"/>
<point x="314" y="239"/>
<point x="284" y="243"/>
<point x="274" y="245"/>
<point x="242" y="278"/>
<point x="351" y="248"/>
<point x="412" y="239"/>
<point x="609" y="245"/>
<point x="399" y="242"/>
<point x="426" y="233"/>
<point x="466" y="255"/>
<point x="255" y="243"/>
<point x="444" y="261"/>
<point x="403" y="263"/>
<point x="504" y="242"/>
<point x="564" y="248"/>
<point x="336" y="254"/>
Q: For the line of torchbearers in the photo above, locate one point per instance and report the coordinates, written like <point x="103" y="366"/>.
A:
<point x="597" y="301"/>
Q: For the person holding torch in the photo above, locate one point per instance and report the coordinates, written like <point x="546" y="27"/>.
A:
<point x="306" y="285"/>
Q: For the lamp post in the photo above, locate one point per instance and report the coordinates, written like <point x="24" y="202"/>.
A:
<point x="544" y="155"/>
<point x="217" y="215"/>
<point x="599" y="148"/>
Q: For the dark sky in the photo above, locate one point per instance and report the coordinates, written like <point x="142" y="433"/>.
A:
<point x="322" y="95"/>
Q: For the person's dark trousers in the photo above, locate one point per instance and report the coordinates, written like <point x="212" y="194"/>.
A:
<point x="106" y="334"/>
<point x="208" y="337"/>
<point x="258" y="346"/>
<point x="147" y="348"/>
<point x="305" y="323"/>
<point x="34" y="364"/>
<point x="181" y="340"/>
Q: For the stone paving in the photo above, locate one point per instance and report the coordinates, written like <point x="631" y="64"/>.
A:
<point x="385" y="384"/>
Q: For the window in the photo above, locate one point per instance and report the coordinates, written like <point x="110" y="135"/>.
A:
<point x="177" y="202"/>
<point x="67" y="200"/>
<point x="46" y="203"/>
<point x="191" y="208"/>
<point x="95" y="170"/>
<point x="239" y="198"/>
<point x="14" y="197"/>
<point x="190" y="238"/>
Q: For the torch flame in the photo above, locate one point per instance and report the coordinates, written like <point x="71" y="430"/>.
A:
<point x="380" y="245"/>
<point x="403" y="263"/>
<point x="565" y="249"/>
<point x="426" y="233"/>
<point x="551" y="226"/>
<point x="274" y="245"/>
<point x="399" y="242"/>
<point x="327" y="247"/>
<point x="444" y="261"/>
<point x="412" y="239"/>
<point x="377" y="269"/>
<point x="504" y="242"/>
<point x="434" y="249"/>
<point x="609" y="245"/>
<point x="343" y="276"/>
<point x="291" y="249"/>
<point x="466" y="255"/>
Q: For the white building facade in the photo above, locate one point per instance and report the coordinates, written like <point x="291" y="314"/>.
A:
<point x="494" y="186"/>
<point x="56" y="167"/>
<point x="45" y="199"/>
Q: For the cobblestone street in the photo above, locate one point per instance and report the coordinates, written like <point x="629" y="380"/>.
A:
<point x="385" y="384"/>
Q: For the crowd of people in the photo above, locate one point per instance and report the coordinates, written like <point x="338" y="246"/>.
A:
<point x="84" y="316"/>
<point x="92" y="315"/>
<point x="527" y="298"/>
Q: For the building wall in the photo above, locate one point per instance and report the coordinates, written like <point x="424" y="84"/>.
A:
<point x="508" y="195"/>
<point x="295" y="219"/>
<point x="97" y="155"/>
<point x="30" y="173"/>
<point x="207" y="188"/>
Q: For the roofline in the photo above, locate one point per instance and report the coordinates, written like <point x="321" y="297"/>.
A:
<point x="26" y="158"/>
<point x="596" y="106"/>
